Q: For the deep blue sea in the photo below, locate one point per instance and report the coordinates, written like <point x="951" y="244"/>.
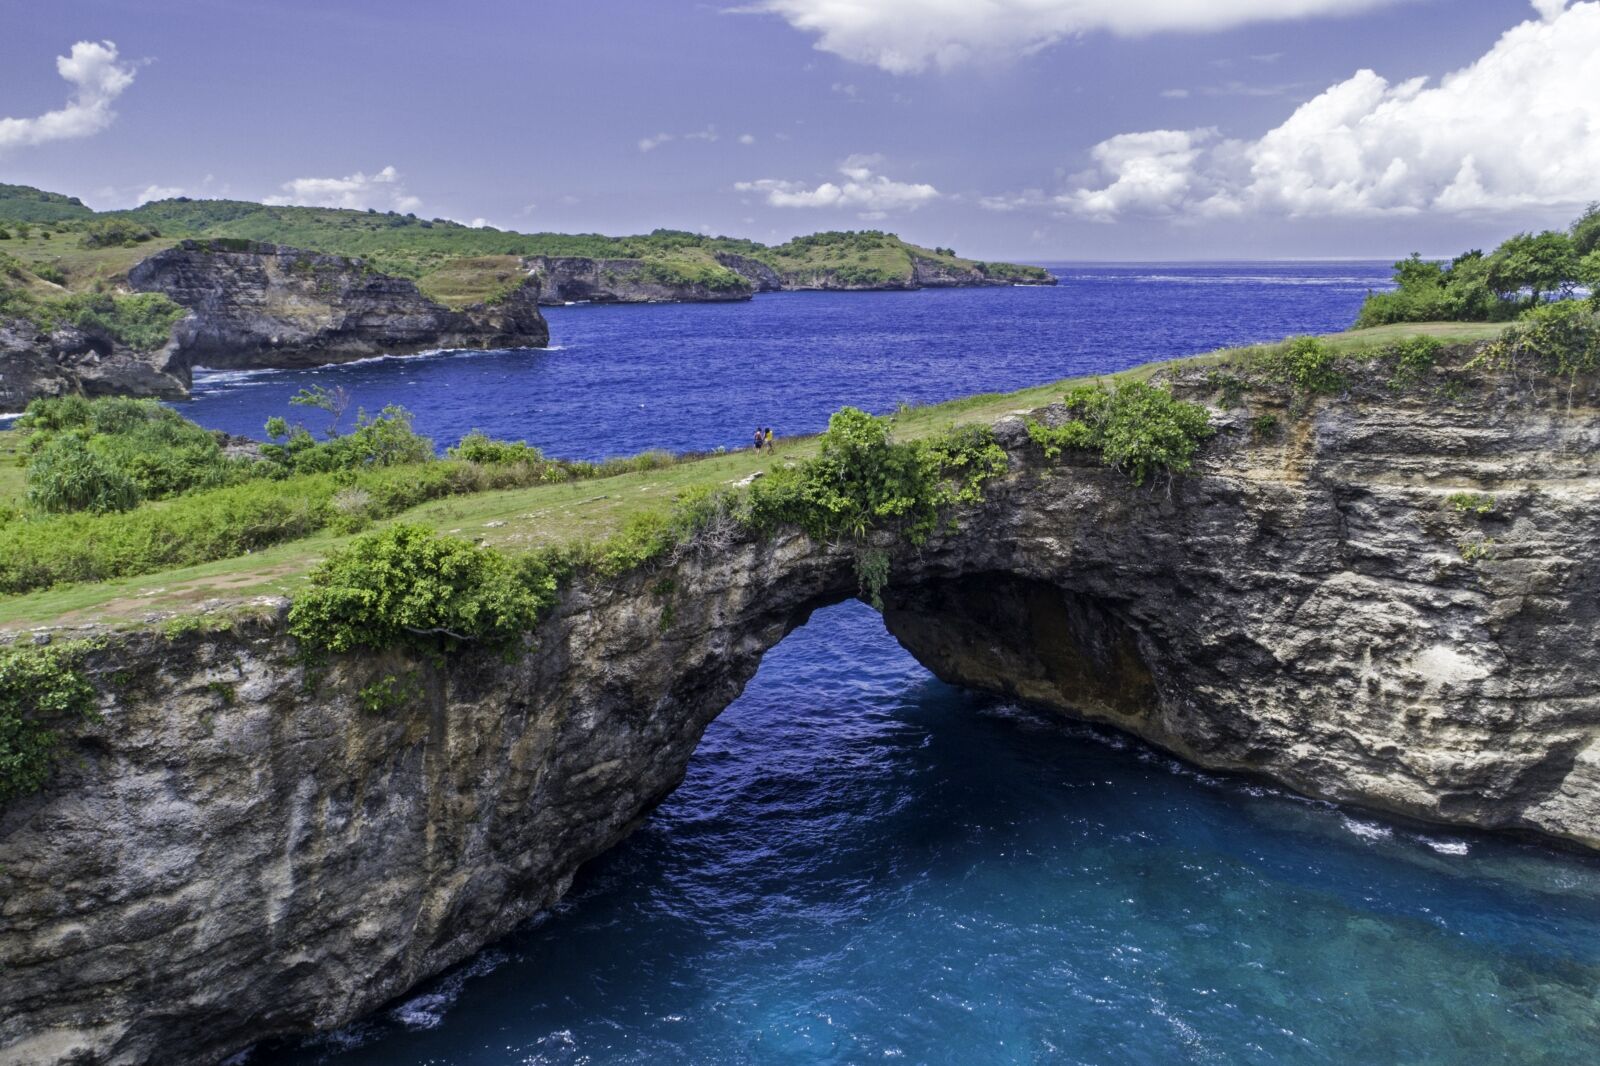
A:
<point x="867" y="865"/>
<point x="689" y="377"/>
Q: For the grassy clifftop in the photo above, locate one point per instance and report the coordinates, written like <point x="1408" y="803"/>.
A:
<point x="49" y="231"/>
<point x="517" y="506"/>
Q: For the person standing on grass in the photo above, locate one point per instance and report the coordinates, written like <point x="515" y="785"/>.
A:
<point x="761" y="435"/>
<point x="771" y="444"/>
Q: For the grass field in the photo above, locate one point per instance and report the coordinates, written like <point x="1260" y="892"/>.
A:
<point x="561" y="513"/>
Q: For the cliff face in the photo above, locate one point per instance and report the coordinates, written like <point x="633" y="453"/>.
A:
<point x="571" y="279"/>
<point x="35" y="362"/>
<point x="238" y="849"/>
<point x="260" y="305"/>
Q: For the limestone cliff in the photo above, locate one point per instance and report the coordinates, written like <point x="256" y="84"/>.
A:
<point x="576" y="279"/>
<point x="37" y="362"/>
<point x="260" y="305"/>
<point x="238" y="849"/>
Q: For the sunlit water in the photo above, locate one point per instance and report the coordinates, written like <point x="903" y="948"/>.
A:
<point x="866" y="865"/>
<point x="697" y="376"/>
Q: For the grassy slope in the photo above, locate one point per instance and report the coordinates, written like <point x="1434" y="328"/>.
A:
<point x="458" y="263"/>
<point x="546" y="514"/>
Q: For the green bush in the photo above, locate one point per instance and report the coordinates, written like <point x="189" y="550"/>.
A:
<point x="67" y="476"/>
<point x="116" y="233"/>
<point x="142" y="321"/>
<point x="163" y="453"/>
<point x="42" y="691"/>
<point x="1307" y="364"/>
<point x="862" y="480"/>
<point x="1138" y="428"/>
<point x="409" y="585"/>
<point x="478" y="447"/>
<point x="1562" y="338"/>
<point x="1412" y="359"/>
<point x="384" y="439"/>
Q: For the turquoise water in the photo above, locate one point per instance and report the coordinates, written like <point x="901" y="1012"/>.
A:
<point x="866" y="865"/>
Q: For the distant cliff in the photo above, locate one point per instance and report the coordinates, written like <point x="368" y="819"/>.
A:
<point x="578" y="279"/>
<point x="263" y="305"/>
<point x="247" y="305"/>
<point x="896" y="266"/>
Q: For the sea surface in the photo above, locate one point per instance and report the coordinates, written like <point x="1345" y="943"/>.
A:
<point x="690" y="377"/>
<point x="866" y="865"/>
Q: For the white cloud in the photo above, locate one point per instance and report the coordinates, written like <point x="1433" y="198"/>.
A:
<point x="905" y="36"/>
<point x="650" y="144"/>
<point x="863" y="189"/>
<point x="97" y="79"/>
<point x="159" y="192"/>
<point x="1518" y="128"/>
<point x="382" y="191"/>
<point x="747" y="138"/>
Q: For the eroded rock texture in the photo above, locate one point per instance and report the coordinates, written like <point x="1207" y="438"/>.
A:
<point x="239" y="850"/>
<point x="264" y="305"/>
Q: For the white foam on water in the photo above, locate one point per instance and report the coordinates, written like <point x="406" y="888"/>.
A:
<point x="427" y="1011"/>
<point x="1366" y="830"/>
<point x="1446" y="847"/>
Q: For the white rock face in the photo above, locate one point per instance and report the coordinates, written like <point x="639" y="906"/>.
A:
<point x="239" y="850"/>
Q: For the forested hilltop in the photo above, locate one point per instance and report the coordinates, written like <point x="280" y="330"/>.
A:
<point x="61" y="239"/>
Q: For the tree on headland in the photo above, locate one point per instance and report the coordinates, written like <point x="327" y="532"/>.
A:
<point x="1538" y="264"/>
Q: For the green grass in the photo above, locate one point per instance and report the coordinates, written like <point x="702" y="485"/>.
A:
<point x="520" y="520"/>
<point x="454" y="263"/>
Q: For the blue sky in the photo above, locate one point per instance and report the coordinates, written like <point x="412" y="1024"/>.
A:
<point x="1031" y="129"/>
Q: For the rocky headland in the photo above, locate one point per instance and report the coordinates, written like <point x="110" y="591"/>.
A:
<point x="256" y="306"/>
<point x="238" y="849"/>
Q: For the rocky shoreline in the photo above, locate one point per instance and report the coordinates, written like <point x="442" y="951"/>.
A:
<point x="237" y="849"/>
<point x="258" y="306"/>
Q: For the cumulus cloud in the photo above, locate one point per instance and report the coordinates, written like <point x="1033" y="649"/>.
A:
<point x="1518" y="128"/>
<point x="863" y="190"/>
<point x="905" y="36"/>
<point x="97" y="78"/>
<point x="382" y="191"/>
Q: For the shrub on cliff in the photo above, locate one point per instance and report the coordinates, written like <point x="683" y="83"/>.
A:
<point x="42" y="691"/>
<point x="408" y="584"/>
<point x="67" y="476"/>
<point x="1137" y="428"/>
<point x="384" y="439"/>
<point x="1562" y="338"/>
<point x="863" y="480"/>
<point x="163" y="453"/>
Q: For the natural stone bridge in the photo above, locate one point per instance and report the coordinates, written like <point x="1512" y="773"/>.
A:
<point x="236" y="852"/>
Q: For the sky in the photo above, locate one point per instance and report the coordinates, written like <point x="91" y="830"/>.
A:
<point x="1033" y="130"/>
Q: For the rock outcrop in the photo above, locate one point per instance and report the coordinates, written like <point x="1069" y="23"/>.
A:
<point x="67" y="359"/>
<point x="259" y="305"/>
<point x="578" y="279"/>
<point x="237" y="849"/>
